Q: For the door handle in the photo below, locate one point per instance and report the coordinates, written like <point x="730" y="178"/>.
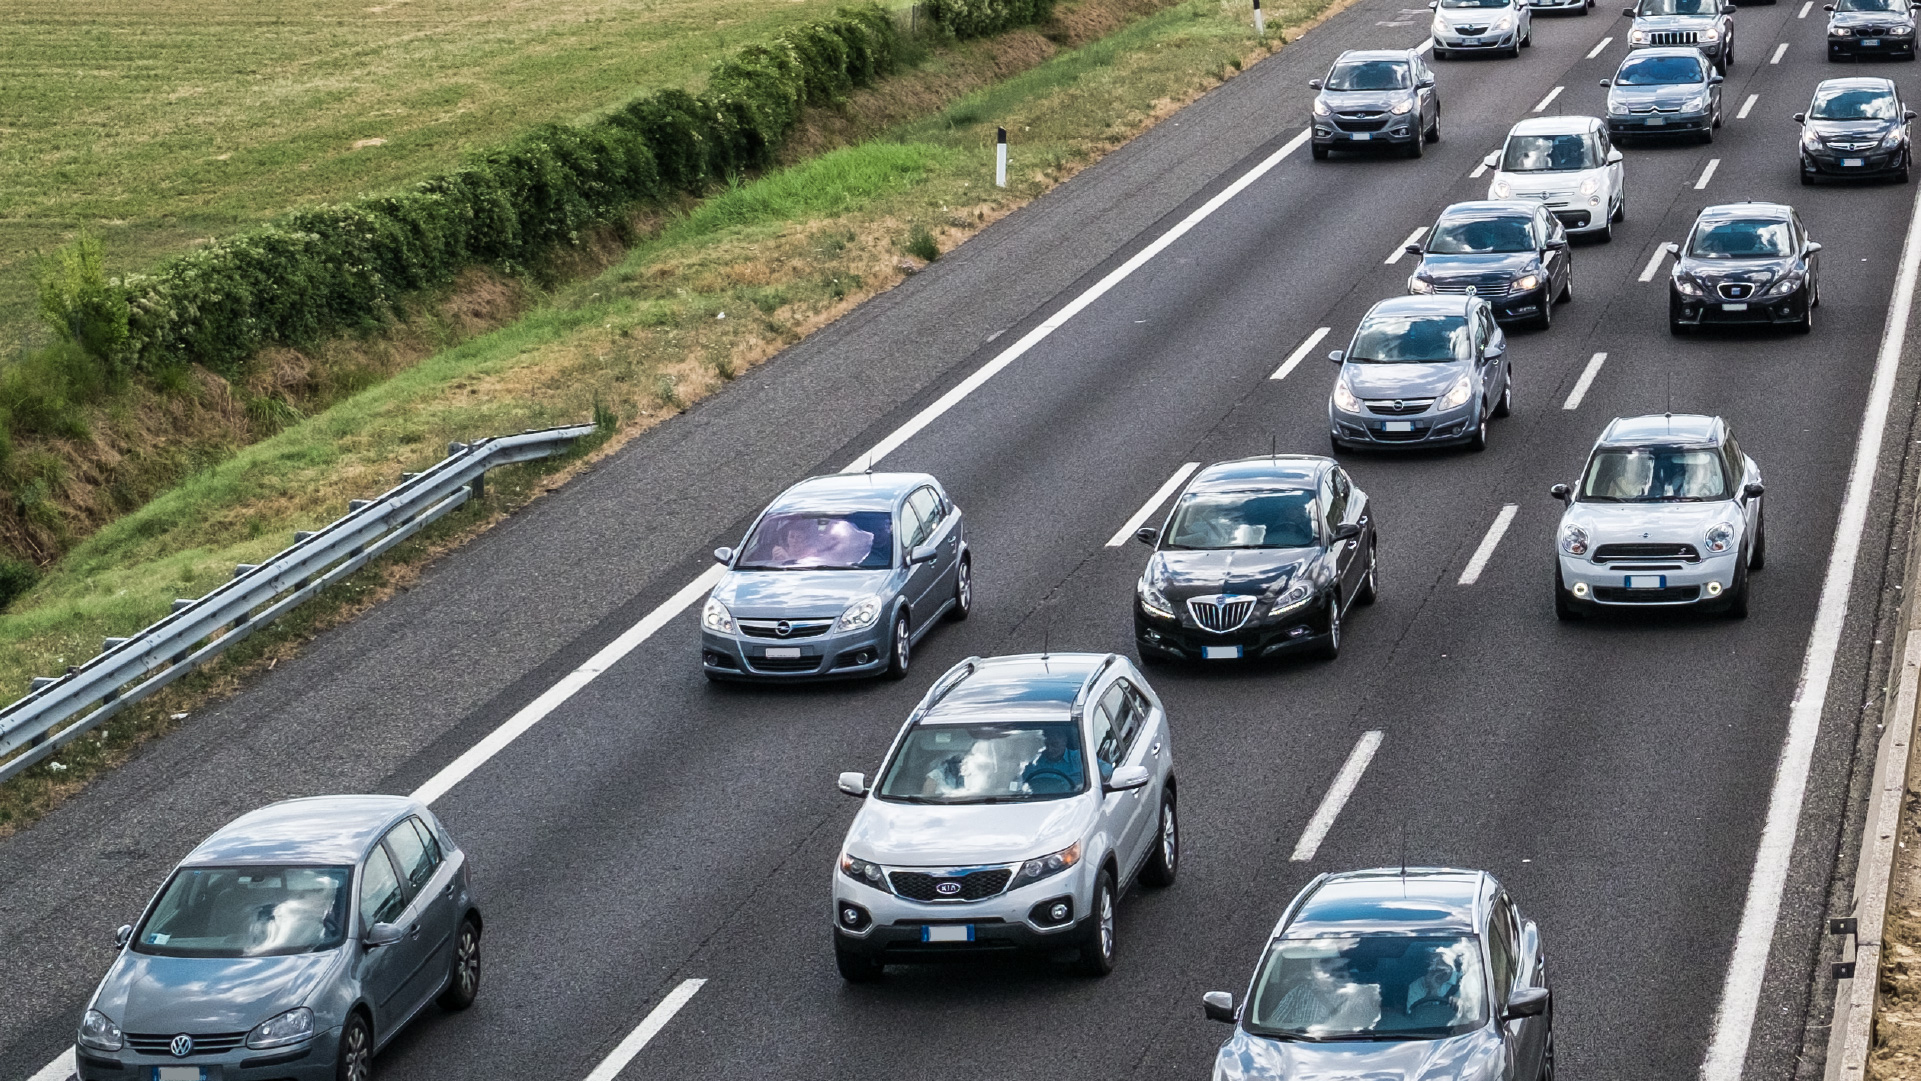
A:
<point x="1155" y="749"/>
<point x="414" y="931"/>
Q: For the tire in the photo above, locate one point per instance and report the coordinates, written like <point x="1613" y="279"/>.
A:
<point x="1442" y="54"/>
<point x="1547" y="1053"/>
<point x="1807" y="179"/>
<point x="1621" y="209"/>
<point x="1717" y="118"/>
<point x="901" y="656"/>
<point x="463" y="977"/>
<point x="1330" y="644"/>
<point x="1607" y="231"/>
<point x="1478" y="442"/>
<point x="1336" y="445"/>
<point x="963" y="591"/>
<point x="1738" y="596"/>
<point x="355" y="1060"/>
<point x="1434" y="129"/>
<point x="1419" y="146"/>
<point x="1098" y="942"/>
<point x="1515" y="52"/>
<point x="1165" y="862"/>
<point x="855" y="966"/>
<point x="1758" y="557"/>
<point x="1370" y="590"/>
<point x="1320" y="153"/>
<point x="1567" y="287"/>
<point x="1564" y="609"/>
<point x="1707" y="136"/>
<point x="1545" y="320"/>
<point x="1505" y="404"/>
<point x="1806" y="325"/>
<point x="1528" y="41"/>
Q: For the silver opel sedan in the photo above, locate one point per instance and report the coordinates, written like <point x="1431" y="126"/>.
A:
<point x="292" y="944"/>
<point x="839" y="576"/>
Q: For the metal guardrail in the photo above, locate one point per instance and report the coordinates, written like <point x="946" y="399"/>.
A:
<point x="58" y="709"/>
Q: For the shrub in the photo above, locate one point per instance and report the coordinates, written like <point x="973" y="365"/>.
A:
<point x="16" y="577"/>
<point x="921" y="244"/>
<point x="80" y="305"/>
<point x="44" y="389"/>
<point x="979" y="18"/>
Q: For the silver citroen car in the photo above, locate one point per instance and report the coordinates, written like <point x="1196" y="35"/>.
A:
<point x="1668" y="512"/>
<point x="839" y="576"/>
<point x="1021" y="798"/>
<point x="1394" y="974"/>
<point x="291" y="944"/>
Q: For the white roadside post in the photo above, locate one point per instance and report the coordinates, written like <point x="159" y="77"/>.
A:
<point x="1260" y="22"/>
<point x="1000" y="157"/>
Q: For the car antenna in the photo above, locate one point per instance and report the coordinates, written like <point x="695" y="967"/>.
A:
<point x="1047" y="633"/>
<point x="1403" y="859"/>
<point x="1273" y="447"/>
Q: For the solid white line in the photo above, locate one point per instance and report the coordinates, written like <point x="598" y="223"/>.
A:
<point x="1748" y="104"/>
<point x="1778" y="50"/>
<point x="1741" y="995"/>
<point x="1300" y="351"/>
<point x="1605" y="42"/>
<point x="60" y="1069"/>
<point x="1488" y="543"/>
<point x="1395" y="256"/>
<point x="1707" y="174"/>
<point x="1582" y="384"/>
<point x="1126" y="532"/>
<point x="1336" y="797"/>
<point x="611" y="1066"/>
<point x="1805" y="8"/>
<point x="1661" y="251"/>
<point x="1549" y="100"/>
<point x="1479" y="171"/>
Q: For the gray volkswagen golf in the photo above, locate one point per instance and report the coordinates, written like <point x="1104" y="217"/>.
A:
<point x="839" y="576"/>
<point x="291" y="944"/>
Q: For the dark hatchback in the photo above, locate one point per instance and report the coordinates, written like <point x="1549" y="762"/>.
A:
<point x="1258" y="557"/>
<point x="1512" y="253"/>
<point x="1855" y="127"/>
<point x="1745" y="263"/>
<point x="1858" y="28"/>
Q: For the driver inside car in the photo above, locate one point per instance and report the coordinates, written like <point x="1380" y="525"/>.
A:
<point x="1056" y="769"/>
<point x="1431" y="999"/>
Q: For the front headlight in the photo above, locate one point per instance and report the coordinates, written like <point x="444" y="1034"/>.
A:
<point x="1810" y="140"/>
<point x="1441" y="27"/>
<point x="1573" y="540"/>
<point x="98" y="1032"/>
<point x="293" y="1026"/>
<point x="861" y="613"/>
<point x="1720" y="537"/>
<point x="1617" y="107"/>
<point x="1344" y="399"/>
<point x="1293" y="597"/>
<point x="1698" y="104"/>
<point x="1901" y="31"/>
<point x="1502" y="189"/>
<point x="1840" y="32"/>
<point x="861" y="870"/>
<point x="1526" y="282"/>
<point x="1788" y="284"/>
<point x="1051" y="864"/>
<point x="1589" y="187"/>
<point x="1638" y="37"/>
<point x="1419" y="285"/>
<point x="1686" y="286"/>
<point x="1894" y="138"/>
<point x="1457" y="394"/>
<point x="1506" y="24"/>
<point x="1321" y="109"/>
<point x="715" y="617"/>
<point x="1403" y="107"/>
<point x="1153" y="600"/>
<point x="1710" y="34"/>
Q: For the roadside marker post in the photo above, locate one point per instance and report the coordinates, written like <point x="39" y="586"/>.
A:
<point x="1000" y="157"/>
<point x="1260" y="21"/>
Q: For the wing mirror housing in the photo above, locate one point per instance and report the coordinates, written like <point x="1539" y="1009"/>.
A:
<point x="853" y="784"/>
<point x="723" y="555"/>
<point x="1800" y="118"/>
<point x="926" y="553"/>
<point x="1347" y="531"/>
<point x="1415" y="249"/>
<point x="1218" y="1006"/>
<point x="1629" y="12"/>
<point x="1908" y="114"/>
<point x="1527" y="1002"/>
<point x="1727" y="9"/>
<point x="1827" y="7"/>
<point x="381" y="934"/>
<point x="123" y="935"/>
<point x="1315" y="84"/>
<point x="1562" y="492"/>
<point x="1337" y="356"/>
<point x="1148" y="535"/>
<point x="1493" y="160"/>
<point x="1126" y="778"/>
<point x="1715" y="80"/>
<point x="1614" y="157"/>
<point x="1754" y="490"/>
<point x="1813" y="247"/>
<point x="1607" y="82"/>
<point x="1426" y="83"/>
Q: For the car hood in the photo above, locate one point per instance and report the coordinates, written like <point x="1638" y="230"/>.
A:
<point x="1673" y="22"/>
<point x="145" y="993"/>
<point x="796" y="594"/>
<point x="1476" y="1056"/>
<point x="1346" y="101"/>
<point x="933" y="835"/>
<point x="1260" y="572"/>
<point x="1716" y="272"/>
<point x="1868" y="18"/>
<point x="1368" y="380"/>
<point x="1629" y="523"/>
<point x="1473" y="16"/>
<point x="1481" y="271"/>
<point x="1534" y="185"/>
<point x="1851" y="131"/>
<point x="1665" y="95"/>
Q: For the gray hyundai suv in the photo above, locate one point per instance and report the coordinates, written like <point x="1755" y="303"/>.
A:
<point x="1021" y="798"/>
<point x="292" y="944"/>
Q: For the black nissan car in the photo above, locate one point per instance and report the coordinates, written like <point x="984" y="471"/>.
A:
<point x="1746" y="263"/>
<point x="1858" y="28"/>
<point x="1258" y="557"/>
<point x="1855" y="127"/>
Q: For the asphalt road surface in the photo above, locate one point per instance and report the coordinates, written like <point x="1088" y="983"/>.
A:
<point x="652" y="829"/>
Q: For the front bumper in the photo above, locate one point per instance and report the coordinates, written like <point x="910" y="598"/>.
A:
<point x="1558" y="5"/>
<point x="834" y="655"/>
<point x="1714" y="50"/>
<point x="314" y="1062"/>
<point x="1634" y="124"/>
<point x="1264" y="636"/>
<point x="1836" y="163"/>
<point x="1760" y="311"/>
<point x="1478" y="43"/>
<point x="1680" y="584"/>
<point x="891" y="928"/>
<point x="1433" y="428"/>
<point x="1856" y="47"/>
<point x="1399" y="131"/>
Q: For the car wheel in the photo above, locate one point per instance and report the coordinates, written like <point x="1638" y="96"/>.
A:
<point x="1515" y="52"/>
<point x="1547" y="1058"/>
<point x="1331" y="641"/>
<point x="356" y="1056"/>
<point x="1418" y="145"/>
<point x="1567" y="287"/>
<point x="1707" y="135"/>
<point x="1320" y="153"/>
<point x="1165" y="861"/>
<point x="1478" y="441"/>
<point x="1434" y="129"/>
<point x="1806" y="325"/>
<point x="1738" y="595"/>
<point x="901" y="657"/>
<point x="1607" y="231"/>
<point x="1528" y="41"/>
<point x="1505" y="404"/>
<point x="1564" y="609"/>
<point x="1807" y="179"/>
<point x="1097" y="943"/>
<point x="1901" y="174"/>
<point x="1441" y="54"/>
<point x="855" y="966"/>
<point x="1545" y="320"/>
<point x="963" y="591"/>
<point x="1621" y="208"/>
<point x="1758" y="556"/>
<point x="1717" y="118"/>
<point x="463" y="982"/>
<point x="1371" y="585"/>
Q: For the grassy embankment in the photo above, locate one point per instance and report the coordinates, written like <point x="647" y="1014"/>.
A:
<point x="641" y="340"/>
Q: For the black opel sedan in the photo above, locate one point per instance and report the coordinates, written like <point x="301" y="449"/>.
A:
<point x="1511" y="252"/>
<point x="1745" y="263"/>
<point x="1258" y="557"/>
<point x="1858" y="28"/>
<point x="1855" y="128"/>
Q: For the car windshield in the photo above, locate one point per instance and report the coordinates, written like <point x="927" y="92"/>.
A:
<point x="1655" y="475"/>
<point x="1762" y="239"/>
<point x="1678" y="7"/>
<point x="1480" y="236"/>
<point x="1854" y="104"/>
<point x="1410" y="339"/>
<point x="1264" y="519"/>
<point x="1474" y="3"/>
<point x="247" y="912"/>
<point x="1369" y="75"/>
<point x="1007" y="762"/>
<point x="1371" y="987"/>
<point x="1871" y="5"/>
<point x="1550" y="153"/>
<point x="808" y="540"/>
<point x="1660" y="71"/>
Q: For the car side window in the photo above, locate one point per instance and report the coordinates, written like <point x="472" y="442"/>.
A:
<point x="1337" y="508"/>
<point x="1737" y="462"/>
<point x="1107" y="741"/>
<point x="931" y="512"/>
<point x="416" y="860"/>
<point x="1121" y="703"/>
<point x="381" y="898"/>
<point x="1326" y="502"/>
<point x="913" y="527"/>
<point x="1501" y="949"/>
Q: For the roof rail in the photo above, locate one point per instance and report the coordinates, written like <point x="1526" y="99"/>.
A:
<point x="947" y="682"/>
<point x="1080" y="698"/>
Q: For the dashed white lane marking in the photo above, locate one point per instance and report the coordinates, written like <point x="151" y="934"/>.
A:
<point x="1401" y="249"/>
<point x="649" y="1027"/>
<point x="1424" y="46"/>
<point x="60" y="1069"/>
<point x="1805" y="8"/>
<point x="1126" y="532"/>
<point x="1741" y="995"/>
<point x="1336" y="797"/>
<point x="1707" y="174"/>
<point x="1596" y="51"/>
<point x="1549" y="100"/>
<point x="1485" y="552"/>
<point x="1582" y="384"/>
<point x="1778" y="50"/>
<point x="1300" y="351"/>
<point x="1661" y="251"/>
<point x="1479" y="171"/>
<point x="1746" y="105"/>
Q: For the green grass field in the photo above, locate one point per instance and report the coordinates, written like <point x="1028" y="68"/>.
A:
<point x="161" y="122"/>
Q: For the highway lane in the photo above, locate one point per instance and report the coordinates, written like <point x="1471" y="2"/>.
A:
<point x="656" y="829"/>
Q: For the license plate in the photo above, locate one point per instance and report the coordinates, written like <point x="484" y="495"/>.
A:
<point x="1657" y="121"/>
<point x="1870" y="41"/>
<point x="1854" y="163"/>
<point x="776" y="653"/>
<point x="1734" y="307"/>
<point x="947" y="932"/>
<point x="1397" y="426"/>
<point x="179" y="1073"/>
<point x="1362" y="136"/>
<point x="1221" y="653"/>
<point x="1647" y="581"/>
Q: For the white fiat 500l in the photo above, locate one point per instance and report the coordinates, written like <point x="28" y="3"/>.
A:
<point x="1667" y="512"/>
<point x="1568" y="164"/>
<point x="1017" y="803"/>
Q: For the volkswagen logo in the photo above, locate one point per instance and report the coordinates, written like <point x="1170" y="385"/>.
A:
<point x="947" y="889"/>
<point x="783" y="628"/>
<point x="182" y="1046"/>
<point x="1471" y="290"/>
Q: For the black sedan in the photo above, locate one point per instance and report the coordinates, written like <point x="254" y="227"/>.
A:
<point x="1858" y="28"/>
<point x="1855" y="128"/>
<point x="1258" y="557"/>
<point x="1745" y="263"/>
<point x="1513" y="253"/>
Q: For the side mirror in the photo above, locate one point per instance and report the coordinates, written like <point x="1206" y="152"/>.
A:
<point x="853" y="784"/>
<point x="1813" y="247"/>
<point x="1800" y="118"/>
<point x="1753" y="491"/>
<point x="1561" y="492"/>
<point x="125" y="934"/>
<point x="1629" y="12"/>
<point x="1727" y="9"/>
<point x="1415" y="249"/>
<point x="1607" y="82"/>
<point x="1527" y="1002"/>
<point x="1127" y="777"/>
<point x="1907" y="114"/>
<point x="1558" y="244"/>
<point x="1426" y="83"/>
<point x="1493" y="160"/>
<point x="381" y="934"/>
<point x="1347" y="531"/>
<point x="1493" y="351"/>
<point x="1147" y="534"/>
<point x="1614" y="157"/>
<point x="926" y="553"/>
<point x="1337" y="355"/>
<point x="1715" y="80"/>
<point x="1218" y="1006"/>
<point x="723" y="555"/>
<point x="1314" y="84"/>
<point x="1827" y="7"/>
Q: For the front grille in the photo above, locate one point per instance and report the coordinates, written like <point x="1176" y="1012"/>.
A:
<point x="1496" y="289"/>
<point x="204" y="1043"/>
<point x="1613" y="553"/>
<point x="974" y="885"/>
<point x="1674" y="37"/>
<point x="1470" y="31"/>
<point x="1736" y="290"/>
<point x="1573" y="219"/>
<point x="784" y="664"/>
<point x="1670" y="595"/>
<point x="1355" y="123"/>
<point x="1220" y="614"/>
<point x="1400" y="407"/>
<point x="1869" y="145"/>
<point x="1399" y="437"/>
<point x="1651" y="110"/>
<point x="770" y="628"/>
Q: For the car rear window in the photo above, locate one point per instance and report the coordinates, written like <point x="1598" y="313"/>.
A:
<point x="247" y="912"/>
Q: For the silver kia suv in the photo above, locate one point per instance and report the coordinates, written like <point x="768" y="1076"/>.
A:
<point x="1021" y="798"/>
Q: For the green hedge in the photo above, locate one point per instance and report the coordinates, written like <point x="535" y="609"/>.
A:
<point x="979" y="18"/>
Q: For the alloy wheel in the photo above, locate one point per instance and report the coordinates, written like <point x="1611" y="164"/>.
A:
<point x="1170" y="841"/>
<point x="1106" y="903"/>
<point x="903" y="647"/>
<point x="356" y="1053"/>
<point x="467" y="961"/>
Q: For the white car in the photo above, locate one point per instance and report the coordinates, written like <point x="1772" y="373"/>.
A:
<point x="1568" y="163"/>
<point x="1481" y="26"/>
<point x="1667" y="513"/>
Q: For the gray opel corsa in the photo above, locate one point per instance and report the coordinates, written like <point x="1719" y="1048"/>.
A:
<point x="291" y="944"/>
